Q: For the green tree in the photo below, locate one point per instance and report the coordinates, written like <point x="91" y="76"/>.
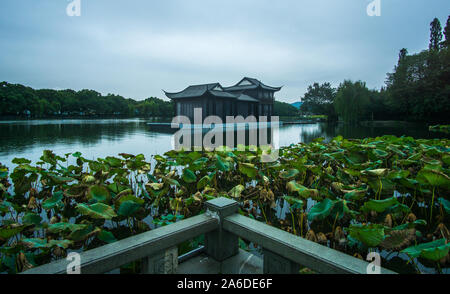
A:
<point x="446" y="42"/>
<point x="435" y="35"/>
<point x="319" y="99"/>
<point x="284" y="109"/>
<point x="351" y="101"/>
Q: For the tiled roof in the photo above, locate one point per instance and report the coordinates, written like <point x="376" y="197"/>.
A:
<point x="224" y="92"/>
<point x="254" y="84"/>
<point x="247" y="98"/>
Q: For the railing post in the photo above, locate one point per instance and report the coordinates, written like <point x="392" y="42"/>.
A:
<point x="165" y="262"/>
<point x="276" y="264"/>
<point x="221" y="244"/>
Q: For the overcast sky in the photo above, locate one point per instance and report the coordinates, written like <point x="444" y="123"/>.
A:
<point x="135" y="48"/>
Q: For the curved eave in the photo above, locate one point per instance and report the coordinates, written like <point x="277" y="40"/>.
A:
<point x="170" y="95"/>
<point x="275" y="89"/>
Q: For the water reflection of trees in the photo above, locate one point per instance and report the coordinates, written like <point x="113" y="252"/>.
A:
<point x="19" y="137"/>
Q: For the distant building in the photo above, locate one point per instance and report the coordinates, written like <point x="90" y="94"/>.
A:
<point x="248" y="97"/>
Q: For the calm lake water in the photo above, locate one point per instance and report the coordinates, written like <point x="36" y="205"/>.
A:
<point x="101" y="138"/>
<point x="106" y="137"/>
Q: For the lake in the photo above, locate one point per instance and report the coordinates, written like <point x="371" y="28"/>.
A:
<point x="109" y="137"/>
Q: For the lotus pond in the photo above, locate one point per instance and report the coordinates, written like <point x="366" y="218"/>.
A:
<point x="384" y="194"/>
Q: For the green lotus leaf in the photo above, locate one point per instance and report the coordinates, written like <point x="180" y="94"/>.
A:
<point x="380" y="153"/>
<point x="352" y="172"/>
<point x="20" y="161"/>
<point x="60" y="243"/>
<point x="221" y="164"/>
<point x="446" y="159"/>
<point x="435" y="254"/>
<point x="376" y="172"/>
<point x="54" y="201"/>
<point x="60" y="179"/>
<point x="396" y="150"/>
<point x="446" y="204"/>
<point x="289" y="174"/>
<point x="128" y="208"/>
<point x="409" y="183"/>
<point x="189" y="176"/>
<point x="355" y="157"/>
<point x="99" y="193"/>
<point x="236" y="191"/>
<point x="412" y="225"/>
<point x="434" y="251"/>
<point x="398" y="175"/>
<point x="113" y="161"/>
<point x="356" y="194"/>
<point x="304" y="192"/>
<point x="248" y="169"/>
<point x="435" y="178"/>
<point x="116" y="188"/>
<point x="83" y="233"/>
<point x="96" y="166"/>
<point x="203" y="182"/>
<point x="370" y="235"/>
<point x="295" y="203"/>
<point x="379" y="205"/>
<point x="321" y="210"/>
<point x="387" y="186"/>
<point x="32" y="219"/>
<point x="200" y="161"/>
<point x="62" y="227"/>
<point x="97" y="210"/>
<point x="8" y="232"/>
<point x="43" y="243"/>
<point x="106" y="236"/>
<point x="171" y="182"/>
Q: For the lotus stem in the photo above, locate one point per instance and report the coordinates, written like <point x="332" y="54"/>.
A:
<point x="301" y="224"/>
<point x="439" y="268"/>
<point x="335" y="219"/>
<point x="293" y="222"/>
<point x="263" y="213"/>
<point x="432" y="204"/>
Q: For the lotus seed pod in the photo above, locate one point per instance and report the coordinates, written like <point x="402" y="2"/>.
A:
<point x="33" y="192"/>
<point x="411" y="218"/>
<point x="54" y="220"/>
<point x="321" y="238"/>
<point x="388" y="221"/>
<point x="58" y="251"/>
<point x="89" y="179"/>
<point x="311" y="236"/>
<point x="338" y="234"/>
<point x="32" y="204"/>
<point x="357" y="255"/>
<point x="271" y="195"/>
<point x="23" y="262"/>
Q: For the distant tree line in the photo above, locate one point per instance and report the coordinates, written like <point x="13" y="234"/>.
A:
<point x="284" y="109"/>
<point x="19" y="100"/>
<point x="417" y="90"/>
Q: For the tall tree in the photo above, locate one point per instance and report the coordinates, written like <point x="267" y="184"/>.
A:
<point x="435" y="35"/>
<point x="446" y="42"/>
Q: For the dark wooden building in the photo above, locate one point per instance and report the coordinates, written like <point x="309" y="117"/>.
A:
<point x="248" y="97"/>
